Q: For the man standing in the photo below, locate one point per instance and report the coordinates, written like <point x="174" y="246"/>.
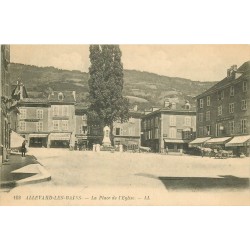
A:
<point x="167" y="150"/>
<point x="23" y="148"/>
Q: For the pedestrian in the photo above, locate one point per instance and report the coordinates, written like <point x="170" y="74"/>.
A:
<point x="23" y="148"/>
<point x="202" y="152"/>
<point x="167" y="150"/>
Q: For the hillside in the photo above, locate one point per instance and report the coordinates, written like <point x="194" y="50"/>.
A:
<point x="142" y="88"/>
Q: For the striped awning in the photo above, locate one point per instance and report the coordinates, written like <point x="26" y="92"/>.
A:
<point x="221" y="140"/>
<point x="174" y="141"/>
<point x="200" y="140"/>
<point x="239" y="141"/>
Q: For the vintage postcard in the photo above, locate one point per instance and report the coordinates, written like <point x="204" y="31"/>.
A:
<point x="125" y="125"/>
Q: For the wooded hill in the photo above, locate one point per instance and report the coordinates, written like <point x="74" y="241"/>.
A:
<point x="142" y="88"/>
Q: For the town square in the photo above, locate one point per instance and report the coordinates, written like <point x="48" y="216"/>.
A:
<point x="110" y="135"/>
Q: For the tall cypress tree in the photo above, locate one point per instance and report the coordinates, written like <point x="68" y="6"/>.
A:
<point x="107" y="104"/>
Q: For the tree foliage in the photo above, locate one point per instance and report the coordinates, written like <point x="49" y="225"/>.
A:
<point x="107" y="104"/>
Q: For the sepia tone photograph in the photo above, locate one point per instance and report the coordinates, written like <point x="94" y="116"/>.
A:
<point x="124" y="125"/>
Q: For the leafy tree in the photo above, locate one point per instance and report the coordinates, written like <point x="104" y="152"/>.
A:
<point x="107" y="104"/>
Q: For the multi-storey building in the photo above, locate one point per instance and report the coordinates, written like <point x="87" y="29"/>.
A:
<point x="5" y="125"/>
<point x="129" y="133"/>
<point x="170" y="127"/>
<point x="223" y="111"/>
<point x="47" y="122"/>
<point x="57" y="121"/>
<point x="61" y="119"/>
<point x="33" y="121"/>
<point x="81" y="123"/>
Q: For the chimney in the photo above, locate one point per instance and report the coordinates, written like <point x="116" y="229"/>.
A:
<point x="232" y="71"/>
<point x="173" y="105"/>
<point x="234" y="67"/>
<point x="166" y="103"/>
<point x="21" y="91"/>
<point x="187" y="105"/>
<point x="74" y="95"/>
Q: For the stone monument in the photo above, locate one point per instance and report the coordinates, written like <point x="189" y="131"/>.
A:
<point x="106" y="140"/>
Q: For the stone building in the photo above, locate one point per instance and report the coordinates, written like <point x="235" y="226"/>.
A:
<point x="5" y="95"/>
<point x="47" y="122"/>
<point x="61" y="123"/>
<point x="81" y="123"/>
<point x="129" y="133"/>
<point x="33" y="121"/>
<point x="223" y="113"/>
<point x="172" y="127"/>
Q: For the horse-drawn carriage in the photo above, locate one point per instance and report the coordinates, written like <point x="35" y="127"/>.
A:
<point x="223" y="154"/>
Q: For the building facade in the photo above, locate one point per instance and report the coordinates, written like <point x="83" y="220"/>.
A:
<point x="5" y="95"/>
<point x="128" y="133"/>
<point x="81" y="129"/>
<point x="61" y="119"/>
<point x="171" y="127"/>
<point x="33" y="120"/>
<point x="58" y="121"/>
<point x="48" y="122"/>
<point x="223" y="111"/>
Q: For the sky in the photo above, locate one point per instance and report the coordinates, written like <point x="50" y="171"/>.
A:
<point x="195" y="62"/>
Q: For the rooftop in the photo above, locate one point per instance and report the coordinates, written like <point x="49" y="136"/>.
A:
<point x="62" y="97"/>
<point x="244" y="70"/>
<point x="179" y="108"/>
<point x="135" y="114"/>
<point x="34" y="100"/>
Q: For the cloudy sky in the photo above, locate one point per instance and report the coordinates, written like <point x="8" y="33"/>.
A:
<point x="195" y="62"/>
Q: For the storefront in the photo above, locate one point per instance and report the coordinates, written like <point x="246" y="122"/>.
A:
<point x="175" y="145"/>
<point x="81" y="142"/>
<point x="128" y="143"/>
<point x="59" y="140"/>
<point x="239" y="145"/>
<point x="38" y="140"/>
<point x="217" y="142"/>
<point x="198" y="142"/>
<point x="92" y="139"/>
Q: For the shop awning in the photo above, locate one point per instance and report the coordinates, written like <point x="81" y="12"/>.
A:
<point x="81" y="137"/>
<point x="186" y="130"/>
<point x="38" y="135"/>
<point x="199" y="140"/>
<point x="59" y="136"/>
<point x="221" y="140"/>
<point x="16" y="140"/>
<point x="174" y="141"/>
<point x="238" y="141"/>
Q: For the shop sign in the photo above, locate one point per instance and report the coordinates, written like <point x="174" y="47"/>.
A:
<point x="31" y="120"/>
<point x="225" y="118"/>
<point x="60" y="137"/>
